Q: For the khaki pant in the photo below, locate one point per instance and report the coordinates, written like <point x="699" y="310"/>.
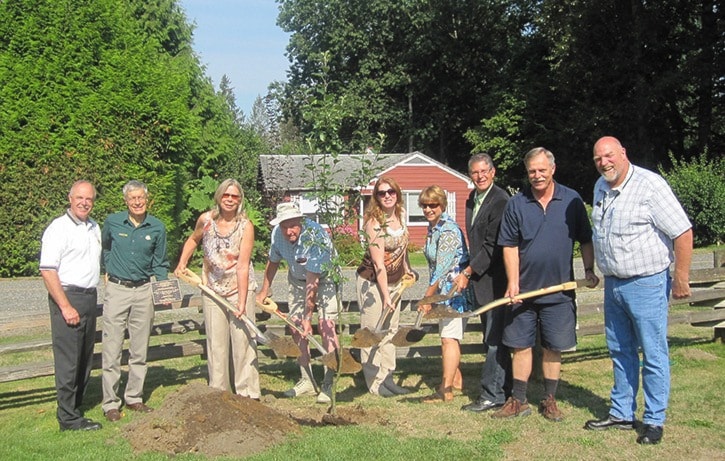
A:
<point x="378" y="362"/>
<point x="131" y="308"/>
<point x="224" y="334"/>
<point x="326" y="315"/>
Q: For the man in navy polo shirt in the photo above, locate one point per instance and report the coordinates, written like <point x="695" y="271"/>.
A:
<point x="538" y="231"/>
<point x="70" y="263"/>
<point x="134" y="252"/>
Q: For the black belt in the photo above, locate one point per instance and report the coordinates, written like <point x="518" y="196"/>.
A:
<point x="128" y="283"/>
<point x="75" y="289"/>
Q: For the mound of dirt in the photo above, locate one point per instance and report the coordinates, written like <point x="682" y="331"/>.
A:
<point x="200" y="419"/>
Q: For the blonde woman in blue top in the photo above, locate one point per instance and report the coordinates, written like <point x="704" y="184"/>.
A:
<point x="447" y="255"/>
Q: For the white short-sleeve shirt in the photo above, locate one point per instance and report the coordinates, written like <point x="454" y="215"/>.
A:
<point x="73" y="249"/>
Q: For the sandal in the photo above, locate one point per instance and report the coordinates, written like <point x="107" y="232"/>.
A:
<point x="437" y="397"/>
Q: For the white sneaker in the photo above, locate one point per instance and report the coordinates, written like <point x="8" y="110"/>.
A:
<point x="325" y="395"/>
<point x="303" y="387"/>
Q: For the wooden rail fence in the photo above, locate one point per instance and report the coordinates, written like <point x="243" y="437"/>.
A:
<point x="706" y="310"/>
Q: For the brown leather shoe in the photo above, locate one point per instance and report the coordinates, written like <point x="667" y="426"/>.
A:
<point x="549" y="410"/>
<point x="140" y="407"/>
<point x="512" y="408"/>
<point x="113" y="415"/>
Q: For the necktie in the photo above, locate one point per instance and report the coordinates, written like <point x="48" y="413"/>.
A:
<point x="477" y="205"/>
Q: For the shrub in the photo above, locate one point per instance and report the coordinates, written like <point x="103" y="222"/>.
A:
<point x="348" y="246"/>
<point x="699" y="186"/>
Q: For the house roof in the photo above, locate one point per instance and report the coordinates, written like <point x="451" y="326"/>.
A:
<point x="295" y="172"/>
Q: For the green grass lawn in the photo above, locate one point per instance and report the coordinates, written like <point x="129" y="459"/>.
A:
<point x="413" y="431"/>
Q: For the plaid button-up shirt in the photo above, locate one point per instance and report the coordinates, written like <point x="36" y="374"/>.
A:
<point x="635" y="224"/>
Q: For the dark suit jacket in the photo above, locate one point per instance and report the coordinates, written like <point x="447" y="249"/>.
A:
<point x="489" y="274"/>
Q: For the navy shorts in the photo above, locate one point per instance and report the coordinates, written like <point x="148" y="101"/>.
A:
<point x="556" y="321"/>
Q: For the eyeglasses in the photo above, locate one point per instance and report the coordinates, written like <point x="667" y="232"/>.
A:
<point x="429" y="205"/>
<point x="383" y="193"/>
<point x="135" y="199"/>
<point x="232" y="196"/>
<point x="480" y="173"/>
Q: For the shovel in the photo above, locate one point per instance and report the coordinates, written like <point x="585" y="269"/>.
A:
<point x="406" y="336"/>
<point x="446" y="312"/>
<point x="282" y="347"/>
<point x="329" y="359"/>
<point x="435" y="299"/>
<point x="366" y="338"/>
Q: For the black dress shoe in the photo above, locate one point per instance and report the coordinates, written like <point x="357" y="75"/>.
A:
<point x="480" y="406"/>
<point x="651" y="436"/>
<point x="610" y="422"/>
<point x="84" y="425"/>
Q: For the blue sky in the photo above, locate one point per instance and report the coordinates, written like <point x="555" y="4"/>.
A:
<point x="239" y="38"/>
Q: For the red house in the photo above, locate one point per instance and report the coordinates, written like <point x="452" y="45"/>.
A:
<point x="290" y="177"/>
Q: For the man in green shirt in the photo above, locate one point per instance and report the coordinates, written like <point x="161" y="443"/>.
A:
<point x="134" y="254"/>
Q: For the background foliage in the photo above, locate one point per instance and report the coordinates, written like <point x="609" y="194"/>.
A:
<point x="514" y="74"/>
<point x="111" y="90"/>
<point x="700" y="186"/>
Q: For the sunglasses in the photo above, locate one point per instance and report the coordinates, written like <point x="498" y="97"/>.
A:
<point x="429" y="205"/>
<point x="232" y="196"/>
<point x="383" y="193"/>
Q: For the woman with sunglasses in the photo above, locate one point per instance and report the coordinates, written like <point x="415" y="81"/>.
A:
<point x="447" y="255"/>
<point x="378" y="277"/>
<point x="227" y="237"/>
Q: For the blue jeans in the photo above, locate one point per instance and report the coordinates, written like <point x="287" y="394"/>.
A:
<point x="635" y="316"/>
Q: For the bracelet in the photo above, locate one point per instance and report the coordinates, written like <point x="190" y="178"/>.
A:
<point x="467" y="275"/>
<point x="588" y="269"/>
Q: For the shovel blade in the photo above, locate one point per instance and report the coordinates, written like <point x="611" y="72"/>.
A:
<point x="407" y="336"/>
<point x="441" y="311"/>
<point x="364" y="337"/>
<point x="283" y="346"/>
<point x="349" y="364"/>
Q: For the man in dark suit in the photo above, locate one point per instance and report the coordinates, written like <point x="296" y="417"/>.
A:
<point x="484" y="209"/>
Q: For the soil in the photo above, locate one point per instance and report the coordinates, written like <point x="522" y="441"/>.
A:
<point x="199" y="419"/>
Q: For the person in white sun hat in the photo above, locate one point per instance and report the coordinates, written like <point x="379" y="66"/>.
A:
<point x="307" y="249"/>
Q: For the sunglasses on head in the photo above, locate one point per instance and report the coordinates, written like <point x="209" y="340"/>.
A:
<point x="383" y="193"/>
<point x="429" y="205"/>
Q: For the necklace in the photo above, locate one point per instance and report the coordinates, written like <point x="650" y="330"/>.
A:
<point x="224" y="241"/>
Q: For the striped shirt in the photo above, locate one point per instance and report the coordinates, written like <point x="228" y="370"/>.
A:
<point x="635" y="224"/>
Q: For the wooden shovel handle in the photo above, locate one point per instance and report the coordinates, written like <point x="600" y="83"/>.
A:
<point x="529" y="294"/>
<point x="271" y="307"/>
<point x="192" y="279"/>
<point x="407" y="281"/>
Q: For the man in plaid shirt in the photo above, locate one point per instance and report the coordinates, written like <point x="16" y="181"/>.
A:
<point x="639" y="230"/>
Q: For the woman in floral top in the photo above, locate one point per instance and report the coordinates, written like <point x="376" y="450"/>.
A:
<point x="447" y="255"/>
<point x="378" y="277"/>
<point x="227" y="238"/>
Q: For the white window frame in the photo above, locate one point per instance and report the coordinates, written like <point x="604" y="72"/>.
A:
<point x="414" y="215"/>
<point x="309" y="205"/>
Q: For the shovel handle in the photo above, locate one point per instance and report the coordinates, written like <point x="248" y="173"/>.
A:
<point x="192" y="279"/>
<point x="529" y="294"/>
<point x="407" y="281"/>
<point x="418" y="320"/>
<point x="271" y="307"/>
